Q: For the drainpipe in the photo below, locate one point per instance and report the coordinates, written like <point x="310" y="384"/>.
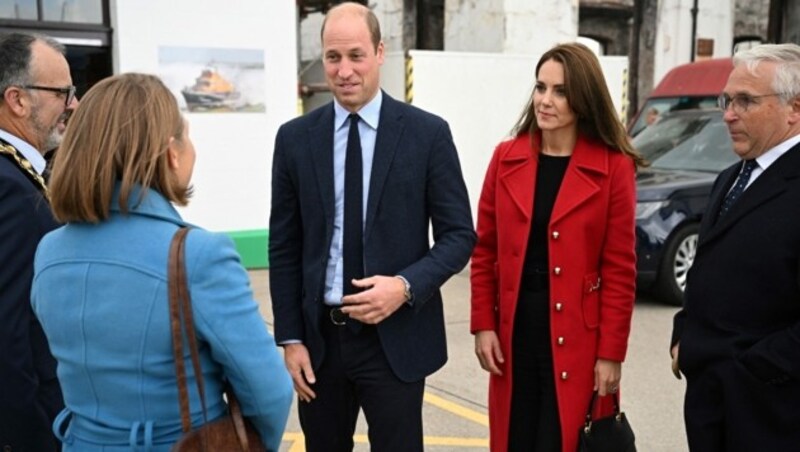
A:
<point x="694" y="29"/>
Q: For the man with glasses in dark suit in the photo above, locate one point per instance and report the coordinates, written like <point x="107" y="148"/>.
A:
<point x="37" y="97"/>
<point x="737" y="339"/>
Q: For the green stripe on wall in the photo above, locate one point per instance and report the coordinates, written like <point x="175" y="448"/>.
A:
<point x="252" y="247"/>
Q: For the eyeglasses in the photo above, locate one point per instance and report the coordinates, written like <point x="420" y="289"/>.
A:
<point x="740" y="102"/>
<point x="68" y="91"/>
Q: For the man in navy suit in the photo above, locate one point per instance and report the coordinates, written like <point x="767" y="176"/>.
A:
<point x="356" y="300"/>
<point x="737" y="339"/>
<point x="37" y="95"/>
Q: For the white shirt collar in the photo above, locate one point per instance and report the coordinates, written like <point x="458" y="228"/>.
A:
<point x="27" y="151"/>
<point x="768" y="158"/>
<point x="369" y="113"/>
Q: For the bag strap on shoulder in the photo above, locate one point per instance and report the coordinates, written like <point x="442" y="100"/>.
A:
<point x="180" y="312"/>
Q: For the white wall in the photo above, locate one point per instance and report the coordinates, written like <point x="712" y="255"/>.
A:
<point x="481" y="96"/>
<point x="674" y="38"/>
<point x="234" y="150"/>
<point x="474" y="26"/>
<point x="509" y="26"/>
<point x="388" y="12"/>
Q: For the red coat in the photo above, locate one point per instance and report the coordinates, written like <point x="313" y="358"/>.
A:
<point x="593" y="270"/>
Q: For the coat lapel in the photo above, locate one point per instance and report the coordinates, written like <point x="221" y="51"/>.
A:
<point x="579" y="185"/>
<point x="25" y="166"/>
<point x="769" y="184"/>
<point x="726" y="179"/>
<point x="517" y="174"/>
<point x="320" y="146"/>
<point x="390" y="129"/>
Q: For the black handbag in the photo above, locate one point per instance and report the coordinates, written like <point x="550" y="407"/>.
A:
<point x="608" y="434"/>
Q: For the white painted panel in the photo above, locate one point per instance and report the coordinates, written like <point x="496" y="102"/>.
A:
<point x="234" y="150"/>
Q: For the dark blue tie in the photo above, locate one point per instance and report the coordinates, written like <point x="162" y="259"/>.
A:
<point x="739" y="186"/>
<point x="353" y="245"/>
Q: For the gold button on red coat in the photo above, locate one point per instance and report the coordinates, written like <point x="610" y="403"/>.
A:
<point x="557" y="271"/>
<point x="555" y="235"/>
<point x="559" y="307"/>
<point x="560" y="340"/>
<point x="564" y="375"/>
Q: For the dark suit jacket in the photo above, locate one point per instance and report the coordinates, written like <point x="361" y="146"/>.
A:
<point x="416" y="181"/>
<point x="30" y="396"/>
<point x="742" y="302"/>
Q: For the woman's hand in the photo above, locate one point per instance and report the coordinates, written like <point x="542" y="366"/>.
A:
<point x="487" y="348"/>
<point x="607" y="375"/>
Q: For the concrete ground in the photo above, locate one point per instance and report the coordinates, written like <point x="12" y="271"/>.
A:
<point x="455" y="413"/>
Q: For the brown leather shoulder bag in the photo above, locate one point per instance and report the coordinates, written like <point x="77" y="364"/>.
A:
<point x="229" y="433"/>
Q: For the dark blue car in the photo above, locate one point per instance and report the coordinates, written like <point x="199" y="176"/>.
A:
<point x="687" y="150"/>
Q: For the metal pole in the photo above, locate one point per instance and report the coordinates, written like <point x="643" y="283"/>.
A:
<point x="694" y="28"/>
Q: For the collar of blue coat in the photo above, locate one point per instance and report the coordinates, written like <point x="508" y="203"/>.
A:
<point x="147" y="202"/>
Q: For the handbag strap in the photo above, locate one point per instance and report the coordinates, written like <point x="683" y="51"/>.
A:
<point x="588" y="423"/>
<point x="180" y="311"/>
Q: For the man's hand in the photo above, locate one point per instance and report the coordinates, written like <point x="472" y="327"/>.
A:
<point x="298" y="363"/>
<point x="676" y="370"/>
<point x="382" y="296"/>
<point x="607" y="375"/>
<point x="487" y="348"/>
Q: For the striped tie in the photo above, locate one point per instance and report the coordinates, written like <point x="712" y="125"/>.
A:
<point x="739" y="186"/>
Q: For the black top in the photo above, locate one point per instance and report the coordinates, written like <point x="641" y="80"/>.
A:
<point x="549" y="175"/>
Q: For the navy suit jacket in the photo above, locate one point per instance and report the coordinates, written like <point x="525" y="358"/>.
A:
<point x="30" y="396"/>
<point x="741" y="315"/>
<point x="416" y="183"/>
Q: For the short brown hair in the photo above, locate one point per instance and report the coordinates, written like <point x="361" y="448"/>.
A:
<point x="588" y="97"/>
<point x="119" y="133"/>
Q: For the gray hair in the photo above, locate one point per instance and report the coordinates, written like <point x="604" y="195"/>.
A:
<point x="787" y="72"/>
<point x="15" y="54"/>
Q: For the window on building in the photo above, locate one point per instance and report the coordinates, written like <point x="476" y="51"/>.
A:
<point x="19" y="9"/>
<point x="83" y="26"/>
<point x="78" y="11"/>
<point x="71" y="11"/>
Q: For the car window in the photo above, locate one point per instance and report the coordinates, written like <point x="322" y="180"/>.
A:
<point x="696" y="142"/>
<point x="662" y="105"/>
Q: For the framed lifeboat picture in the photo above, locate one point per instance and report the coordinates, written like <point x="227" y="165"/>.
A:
<point x="214" y="80"/>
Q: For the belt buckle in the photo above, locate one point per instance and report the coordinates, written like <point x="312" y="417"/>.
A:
<point x="338" y="317"/>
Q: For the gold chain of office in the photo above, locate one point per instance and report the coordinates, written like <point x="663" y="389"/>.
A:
<point x="26" y="166"/>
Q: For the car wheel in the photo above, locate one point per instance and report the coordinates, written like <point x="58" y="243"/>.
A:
<point x="675" y="264"/>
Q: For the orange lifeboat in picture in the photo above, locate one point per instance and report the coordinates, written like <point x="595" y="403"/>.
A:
<point x="210" y="90"/>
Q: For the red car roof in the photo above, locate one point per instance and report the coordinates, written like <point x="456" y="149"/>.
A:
<point x="701" y="78"/>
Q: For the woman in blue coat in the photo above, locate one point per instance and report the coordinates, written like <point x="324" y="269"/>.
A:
<point x="100" y="284"/>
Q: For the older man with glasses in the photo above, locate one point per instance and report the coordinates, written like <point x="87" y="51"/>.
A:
<point x="737" y="339"/>
<point x="37" y="97"/>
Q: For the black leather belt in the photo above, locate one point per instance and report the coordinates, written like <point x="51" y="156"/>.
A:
<point x="337" y="316"/>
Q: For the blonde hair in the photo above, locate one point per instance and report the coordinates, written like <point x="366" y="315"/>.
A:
<point x="119" y="133"/>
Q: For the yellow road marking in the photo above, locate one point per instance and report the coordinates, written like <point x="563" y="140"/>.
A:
<point x="297" y="440"/>
<point x="457" y="409"/>
<point x="297" y="445"/>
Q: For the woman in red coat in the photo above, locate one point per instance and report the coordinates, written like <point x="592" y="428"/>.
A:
<point x="553" y="273"/>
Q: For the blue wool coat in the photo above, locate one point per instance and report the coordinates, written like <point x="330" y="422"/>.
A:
<point x="100" y="293"/>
